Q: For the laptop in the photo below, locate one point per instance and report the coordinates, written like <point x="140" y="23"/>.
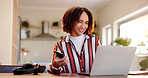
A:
<point x="112" y="60"/>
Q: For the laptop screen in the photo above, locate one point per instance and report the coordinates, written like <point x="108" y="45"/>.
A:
<point x="113" y="60"/>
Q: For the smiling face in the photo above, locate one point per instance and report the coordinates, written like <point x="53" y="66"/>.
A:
<point x="81" y="26"/>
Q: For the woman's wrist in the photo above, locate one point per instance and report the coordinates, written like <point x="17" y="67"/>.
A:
<point x="56" y="68"/>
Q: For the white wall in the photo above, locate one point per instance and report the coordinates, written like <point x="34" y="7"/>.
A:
<point x="36" y="15"/>
<point x="39" y="50"/>
<point x="7" y="46"/>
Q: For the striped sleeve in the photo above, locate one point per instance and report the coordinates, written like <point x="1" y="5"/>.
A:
<point x="53" y="70"/>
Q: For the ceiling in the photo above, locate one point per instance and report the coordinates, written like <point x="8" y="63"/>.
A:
<point x="91" y="4"/>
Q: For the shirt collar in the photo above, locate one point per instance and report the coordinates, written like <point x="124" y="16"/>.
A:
<point x="86" y="35"/>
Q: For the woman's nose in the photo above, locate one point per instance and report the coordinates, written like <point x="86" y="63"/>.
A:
<point x="83" y="25"/>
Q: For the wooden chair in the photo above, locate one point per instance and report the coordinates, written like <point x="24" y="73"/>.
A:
<point x="9" y="68"/>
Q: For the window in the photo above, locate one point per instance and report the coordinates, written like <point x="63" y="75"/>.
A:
<point x="134" y="26"/>
<point x="137" y="30"/>
<point x="106" y="35"/>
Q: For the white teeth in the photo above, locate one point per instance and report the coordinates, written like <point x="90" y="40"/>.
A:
<point x="81" y="30"/>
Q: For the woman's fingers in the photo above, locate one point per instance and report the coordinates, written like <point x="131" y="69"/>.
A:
<point x="63" y="61"/>
<point x="60" y="62"/>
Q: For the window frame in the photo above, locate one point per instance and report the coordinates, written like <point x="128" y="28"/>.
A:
<point x="116" y="24"/>
<point x="105" y="34"/>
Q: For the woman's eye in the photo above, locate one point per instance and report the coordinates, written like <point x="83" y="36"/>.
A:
<point x="80" y="21"/>
<point x="86" y="22"/>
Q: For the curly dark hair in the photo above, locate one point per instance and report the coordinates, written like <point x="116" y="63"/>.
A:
<point x="71" y="17"/>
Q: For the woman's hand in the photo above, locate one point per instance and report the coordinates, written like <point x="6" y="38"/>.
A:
<point x="60" y="62"/>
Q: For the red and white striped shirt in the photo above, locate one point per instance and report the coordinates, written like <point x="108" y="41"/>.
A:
<point x="76" y="62"/>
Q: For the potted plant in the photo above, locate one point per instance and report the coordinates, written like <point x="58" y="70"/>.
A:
<point x="25" y="24"/>
<point x="122" y="41"/>
<point x="144" y="64"/>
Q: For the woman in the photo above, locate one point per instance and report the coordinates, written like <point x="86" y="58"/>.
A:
<point x="79" y="46"/>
